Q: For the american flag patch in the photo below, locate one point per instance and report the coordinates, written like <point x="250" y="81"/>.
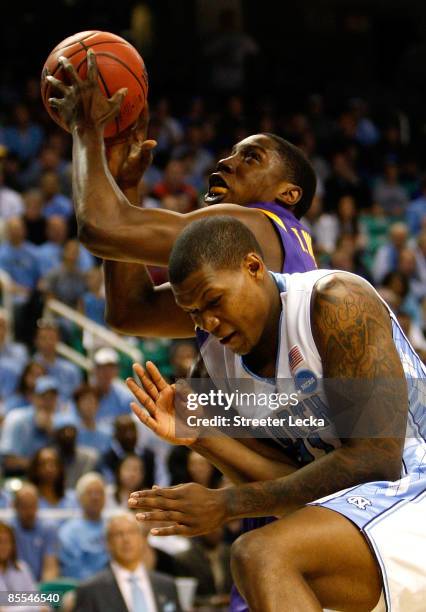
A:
<point x="295" y="357"/>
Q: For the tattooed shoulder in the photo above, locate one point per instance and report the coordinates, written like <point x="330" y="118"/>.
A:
<point x="352" y="329"/>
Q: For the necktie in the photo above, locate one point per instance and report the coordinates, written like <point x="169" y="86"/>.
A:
<point x="139" y="603"/>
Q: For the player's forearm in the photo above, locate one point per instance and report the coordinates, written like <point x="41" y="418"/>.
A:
<point x="238" y="462"/>
<point x="345" y="467"/>
<point x="109" y="226"/>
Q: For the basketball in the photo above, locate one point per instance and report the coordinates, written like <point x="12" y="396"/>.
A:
<point x="119" y="65"/>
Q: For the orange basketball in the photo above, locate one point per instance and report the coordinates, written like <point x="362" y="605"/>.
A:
<point x="119" y="65"/>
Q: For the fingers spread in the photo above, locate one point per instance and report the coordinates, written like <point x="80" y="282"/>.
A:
<point x="72" y="73"/>
<point x="172" y="530"/>
<point x="168" y="516"/>
<point x="156" y="376"/>
<point x="57" y="84"/>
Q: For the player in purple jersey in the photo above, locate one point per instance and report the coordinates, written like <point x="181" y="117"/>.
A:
<point x="266" y="182"/>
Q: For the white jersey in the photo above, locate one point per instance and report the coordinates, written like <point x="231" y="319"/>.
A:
<point x="390" y="514"/>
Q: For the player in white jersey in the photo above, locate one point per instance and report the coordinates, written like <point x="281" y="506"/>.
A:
<point x="351" y="532"/>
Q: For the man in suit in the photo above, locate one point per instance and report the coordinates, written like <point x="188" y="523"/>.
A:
<point x="126" y="585"/>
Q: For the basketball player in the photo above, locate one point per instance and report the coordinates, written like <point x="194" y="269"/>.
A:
<point x="352" y="514"/>
<point x="268" y="181"/>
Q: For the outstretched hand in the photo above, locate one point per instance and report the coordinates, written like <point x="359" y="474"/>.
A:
<point x="165" y="405"/>
<point x="191" y="508"/>
<point x="83" y="104"/>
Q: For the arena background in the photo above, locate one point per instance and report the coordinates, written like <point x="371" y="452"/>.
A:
<point x="343" y="80"/>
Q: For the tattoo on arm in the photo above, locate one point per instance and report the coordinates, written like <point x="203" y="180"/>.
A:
<point x="353" y="334"/>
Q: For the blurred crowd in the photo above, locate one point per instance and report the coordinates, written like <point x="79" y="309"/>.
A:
<point x="71" y="450"/>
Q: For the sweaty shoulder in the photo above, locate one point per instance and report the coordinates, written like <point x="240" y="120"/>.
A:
<point x="257" y="222"/>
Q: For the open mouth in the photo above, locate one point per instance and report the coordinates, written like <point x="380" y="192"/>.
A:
<point x="218" y="189"/>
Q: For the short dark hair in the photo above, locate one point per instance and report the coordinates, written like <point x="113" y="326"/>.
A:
<point x="298" y="170"/>
<point x="219" y="241"/>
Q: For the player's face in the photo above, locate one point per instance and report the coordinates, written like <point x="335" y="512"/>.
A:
<point x="232" y="305"/>
<point x="252" y="173"/>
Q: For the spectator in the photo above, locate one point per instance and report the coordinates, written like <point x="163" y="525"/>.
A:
<point x="375" y="226"/>
<point x="399" y="283"/>
<point x="89" y="433"/>
<point x="169" y="132"/>
<point x="14" y="575"/>
<point x="23" y="138"/>
<point x="78" y="459"/>
<point x="199" y="159"/>
<point x="82" y="548"/>
<point x="55" y="203"/>
<point x="24" y="394"/>
<point x="208" y="560"/>
<point x="11" y="202"/>
<point x="182" y="356"/>
<point x="36" y="541"/>
<point x="416" y="211"/>
<point x="35" y="223"/>
<point x="47" y="472"/>
<point x="92" y="303"/>
<point x="67" y="375"/>
<point x="386" y="258"/>
<point x="50" y="254"/>
<point x="114" y="397"/>
<point x="126" y="584"/>
<point x="49" y="160"/>
<point x="345" y="221"/>
<point x="66" y="283"/>
<point x="200" y="470"/>
<point x="10" y="350"/>
<point x="344" y="180"/>
<point x="390" y="194"/>
<point x="174" y="184"/>
<point x="125" y="443"/>
<point x="129" y="477"/>
<point x="25" y="431"/>
<point x="19" y="259"/>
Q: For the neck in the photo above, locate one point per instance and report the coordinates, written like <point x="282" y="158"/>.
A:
<point x="131" y="566"/>
<point x="89" y="423"/>
<point x="262" y="359"/>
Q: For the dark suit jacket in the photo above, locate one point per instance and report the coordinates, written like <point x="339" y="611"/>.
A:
<point x="101" y="593"/>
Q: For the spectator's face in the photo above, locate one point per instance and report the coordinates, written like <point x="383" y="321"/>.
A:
<point x="34" y="372"/>
<point x="71" y="253"/>
<point x="232" y="305"/>
<point x="46" y="402"/>
<point x="26" y="506"/>
<point x="22" y="115"/>
<point x="126" y="541"/>
<point x="56" y="229"/>
<point x="131" y="473"/>
<point x="174" y="175"/>
<point x="49" y="184"/>
<point x="253" y="172"/>
<point x="407" y="262"/>
<point x="88" y="405"/>
<point x="199" y="469"/>
<point x="105" y="374"/>
<point x="92" y="499"/>
<point x="5" y="546"/>
<point x="46" y="340"/>
<point x="346" y="207"/>
<point x="183" y="358"/>
<point x="48" y="467"/>
<point x="398" y="236"/>
<point x="33" y="205"/>
<point x="126" y="434"/>
<point x="15" y="231"/>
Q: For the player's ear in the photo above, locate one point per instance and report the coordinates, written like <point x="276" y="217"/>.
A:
<point x="289" y="194"/>
<point x="254" y="265"/>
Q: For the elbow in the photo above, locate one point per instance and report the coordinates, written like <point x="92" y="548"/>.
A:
<point x="96" y="239"/>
